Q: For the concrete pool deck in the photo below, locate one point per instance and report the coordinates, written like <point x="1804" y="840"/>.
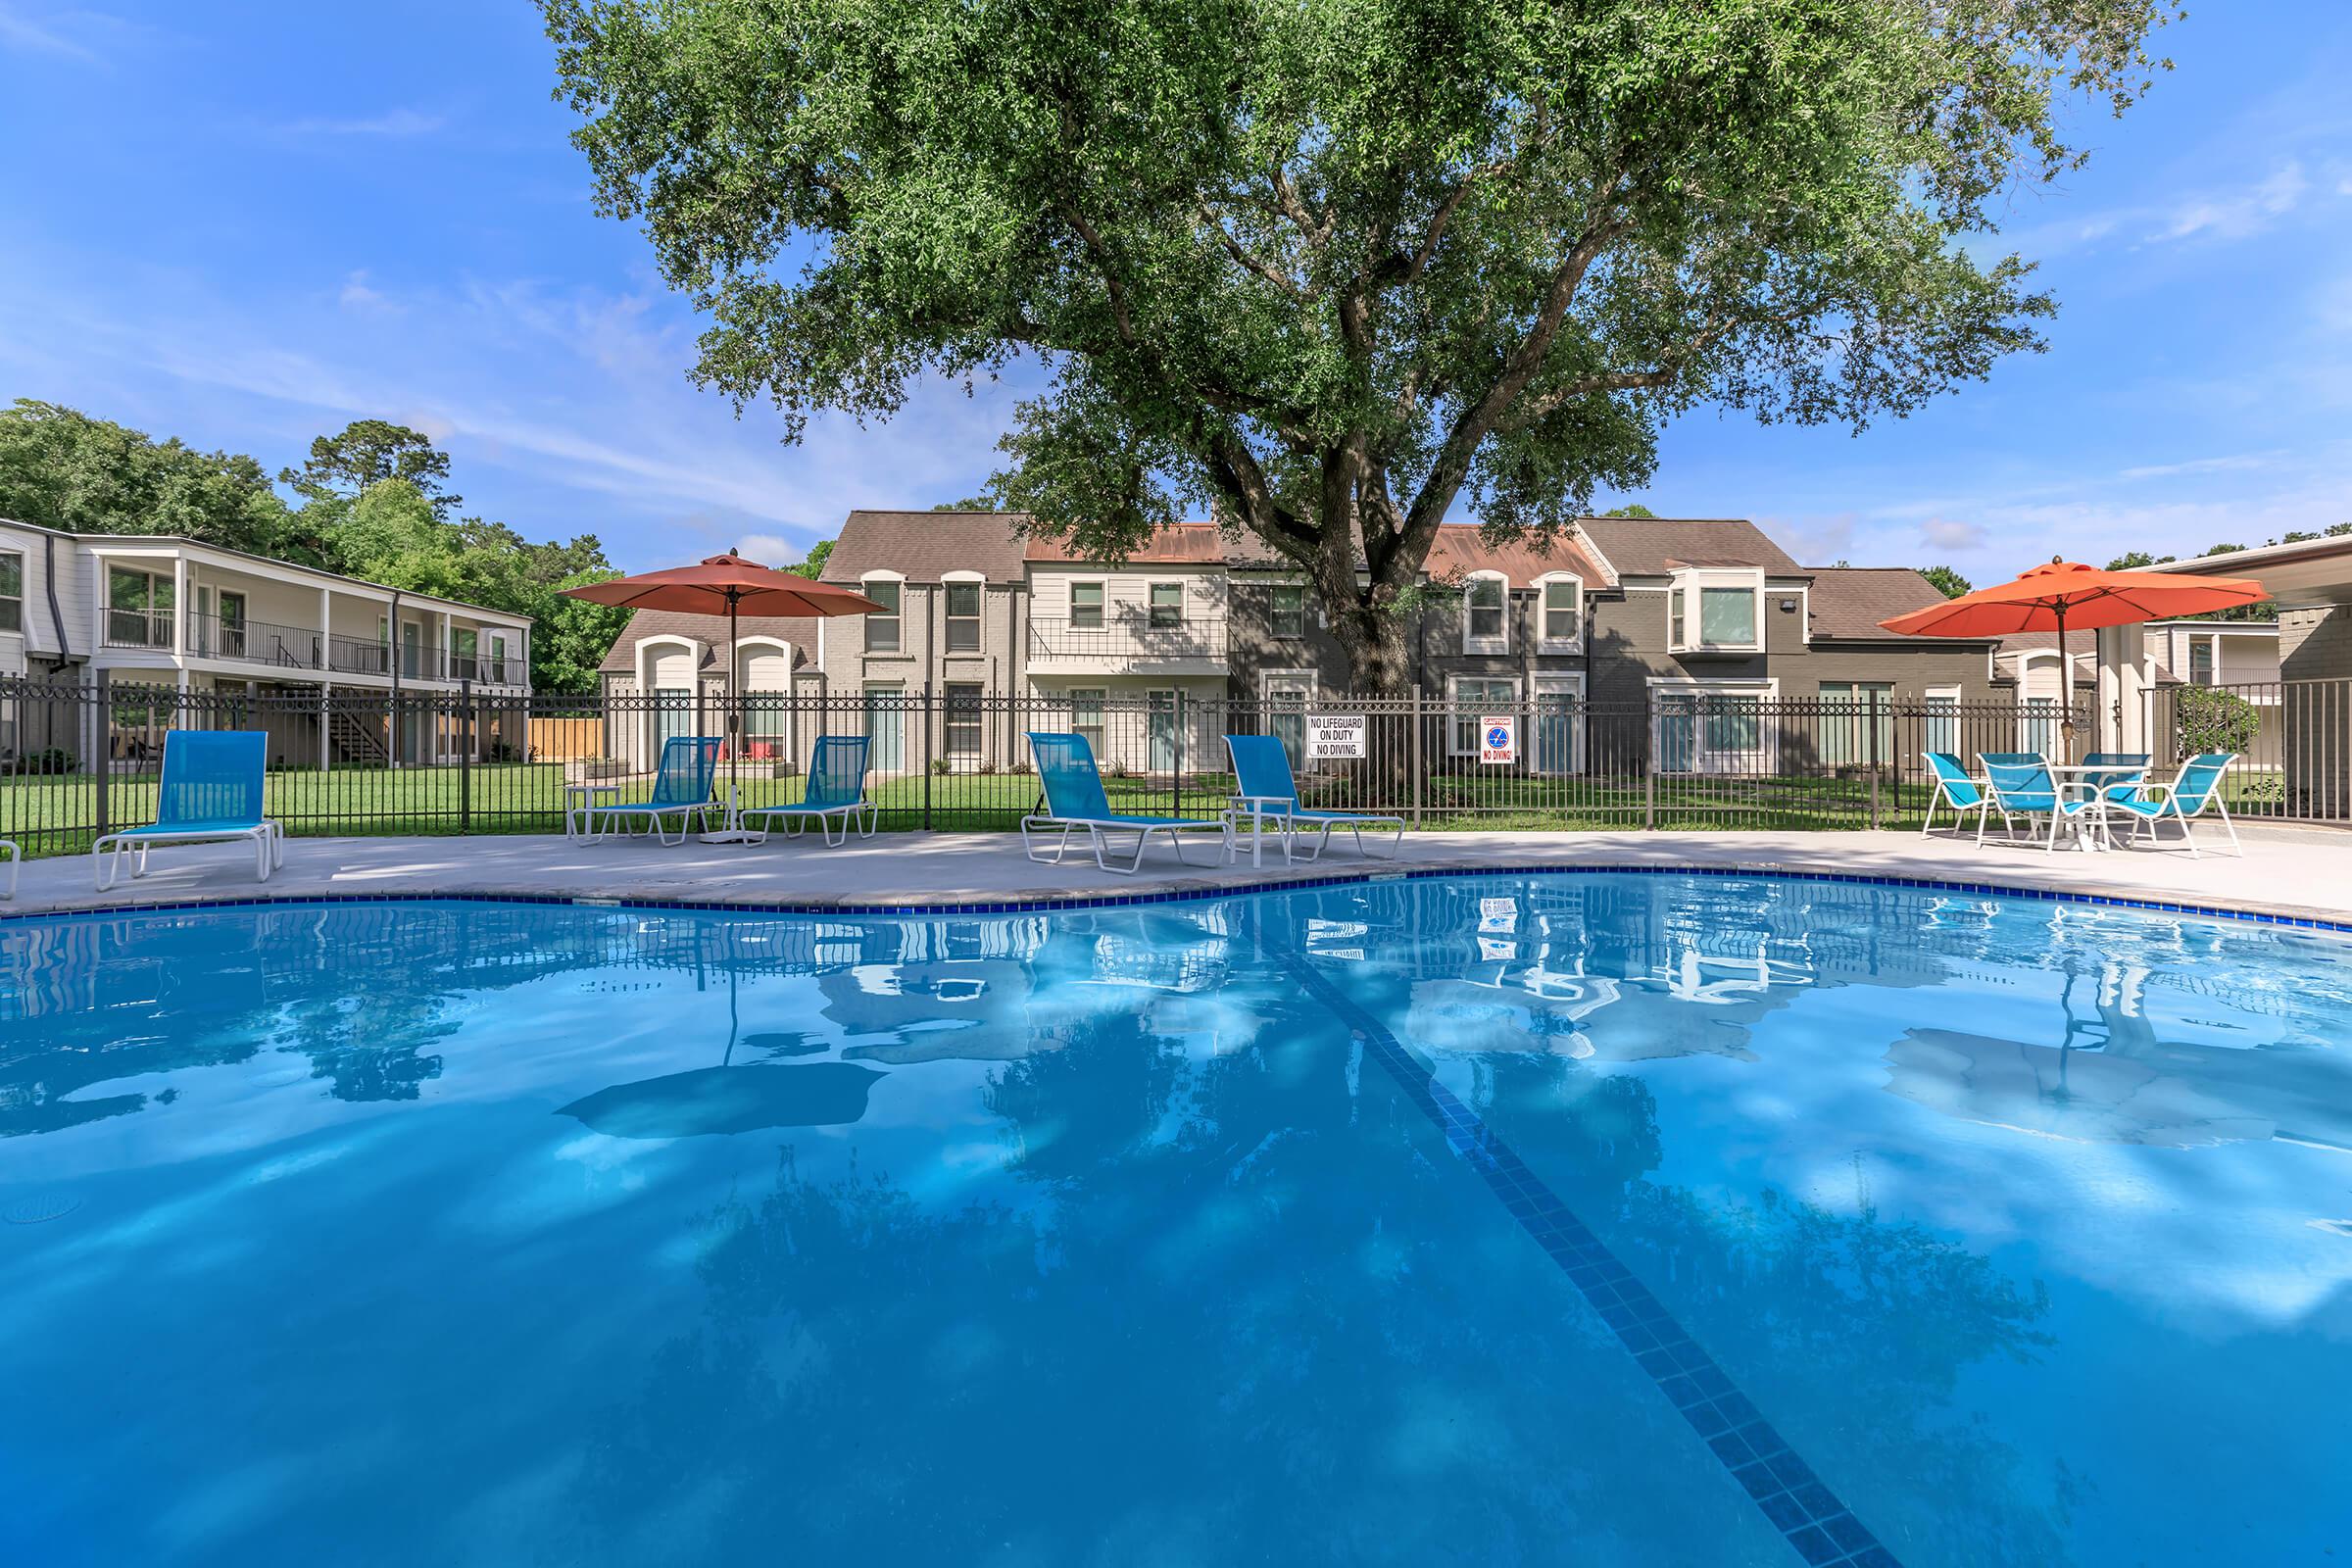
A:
<point x="2290" y="873"/>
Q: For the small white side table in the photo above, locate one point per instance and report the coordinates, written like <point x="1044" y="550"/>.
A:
<point x="1257" y="808"/>
<point x="579" y="807"/>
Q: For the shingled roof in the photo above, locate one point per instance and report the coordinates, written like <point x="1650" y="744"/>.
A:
<point x="1650" y="547"/>
<point x="925" y="546"/>
<point x="1849" y="601"/>
<point x="1177" y="544"/>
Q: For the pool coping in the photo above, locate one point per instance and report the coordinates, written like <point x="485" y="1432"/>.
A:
<point x="1197" y="888"/>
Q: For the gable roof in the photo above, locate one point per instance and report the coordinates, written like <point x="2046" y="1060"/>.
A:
<point x="1849" y="601"/>
<point x="1176" y="544"/>
<point x="1458" y="550"/>
<point x="799" y="631"/>
<point x="925" y="546"/>
<point x="1652" y="546"/>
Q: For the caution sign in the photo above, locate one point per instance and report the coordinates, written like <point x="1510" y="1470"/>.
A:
<point x="1499" y="739"/>
<point x="1335" y="735"/>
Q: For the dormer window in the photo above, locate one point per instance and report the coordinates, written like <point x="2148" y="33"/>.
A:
<point x="1562" y="607"/>
<point x="1718" y="610"/>
<point x="963" y="614"/>
<point x="1486" y="628"/>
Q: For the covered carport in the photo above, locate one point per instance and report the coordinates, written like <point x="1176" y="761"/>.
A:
<point x="2307" y="736"/>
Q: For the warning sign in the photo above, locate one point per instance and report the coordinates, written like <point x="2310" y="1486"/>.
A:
<point x="1335" y="735"/>
<point x="1499" y="739"/>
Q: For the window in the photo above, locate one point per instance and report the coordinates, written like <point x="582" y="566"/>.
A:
<point x="1484" y="629"/>
<point x="882" y="625"/>
<point x="494" y="668"/>
<point x="12" y="591"/>
<point x="2037" y="725"/>
<point x="1288" y="694"/>
<point x="963" y="720"/>
<point x="1563" y="612"/>
<point x="462" y="646"/>
<point x="2201" y="661"/>
<point x="1167" y="604"/>
<point x="1712" y="728"/>
<point x="1940" y="731"/>
<point x="1556" y="726"/>
<point x="963" y="617"/>
<point x="1086" y="606"/>
<point x="1857" y="722"/>
<point x="1086" y="713"/>
<point x="1286" y="609"/>
<point x="1716" y="611"/>
<point x="1472" y="698"/>
<point x="138" y="609"/>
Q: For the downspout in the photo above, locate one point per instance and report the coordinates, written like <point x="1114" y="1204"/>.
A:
<point x="392" y="658"/>
<point x="57" y="617"/>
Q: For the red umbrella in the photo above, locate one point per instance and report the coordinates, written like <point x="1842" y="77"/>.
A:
<point x="2067" y="593"/>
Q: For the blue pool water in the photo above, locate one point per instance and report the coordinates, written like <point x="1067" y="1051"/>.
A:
<point x="1603" y="1219"/>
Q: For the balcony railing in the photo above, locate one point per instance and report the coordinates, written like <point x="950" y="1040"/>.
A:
<point x="1134" y="638"/>
<point x="138" y="628"/>
<point x="255" y="642"/>
<point x="261" y="642"/>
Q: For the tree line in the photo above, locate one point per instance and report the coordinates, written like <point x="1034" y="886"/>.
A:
<point x="371" y="500"/>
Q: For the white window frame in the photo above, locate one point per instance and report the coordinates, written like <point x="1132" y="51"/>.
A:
<point x="1763" y="757"/>
<point x="11" y="606"/>
<point x="948" y="582"/>
<point x="1556" y="684"/>
<point x="1501" y="641"/>
<point x="1151" y="605"/>
<point x="1097" y="732"/>
<point x="1854" y="711"/>
<point x="1099" y="609"/>
<point x="1274" y="615"/>
<point x="1456" y="715"/>
<point x="1303" y="684"/>
<point x="896" y="617"/>
<point x="975" y="720"/>
<point x="1929" y="719"/>
<point x="1545" y="642"/>
<point x="1686" y="607"/>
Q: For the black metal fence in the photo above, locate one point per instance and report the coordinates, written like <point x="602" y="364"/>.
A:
<point x="79" y="759"/>
<point x="2293" y="737"/>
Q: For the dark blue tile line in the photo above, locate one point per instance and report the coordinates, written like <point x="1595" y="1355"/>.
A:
<point x="1799" y="1503"/>
<point x="1045" y="904"/>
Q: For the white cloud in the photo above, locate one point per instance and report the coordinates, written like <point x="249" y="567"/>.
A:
<point x="70" y="33"/>
<point x="771" y="549"/>
<point x="2234" y="463"/>
<point x="357" y="295"/>
<point x="1813" y="541"/>
<point x="1947" y="533"/>
<point x="2236" y="214"/>
<point x="394" y="122"/>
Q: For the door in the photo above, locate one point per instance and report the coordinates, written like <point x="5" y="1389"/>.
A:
<point x="673" y="715"/>
<point x="1289" y="693"/>
<point x="1558" y="719"/>
<point x="1163" y="732"/>
<point x="1712" y="732"/>
<point x="412" y="649"/>
<point x="232" y="624"/>
<point x="885" y="729"/>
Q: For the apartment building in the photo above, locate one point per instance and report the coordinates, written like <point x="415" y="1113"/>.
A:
<point x="158" y="611"/>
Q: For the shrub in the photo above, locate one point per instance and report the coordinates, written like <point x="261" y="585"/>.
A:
<point x="2208" y="720"/>
<point x="941" y="767"/>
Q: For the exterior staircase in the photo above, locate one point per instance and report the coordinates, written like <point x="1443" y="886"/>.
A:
<point x="355" y="739"/>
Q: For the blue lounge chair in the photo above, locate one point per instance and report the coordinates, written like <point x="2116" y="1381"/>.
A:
<point x="834" y="788"/>
<point x="2195" y="789"/>
<point x="681" y="789"/>
<point x="210" y="792"/>
<point x="1265" y="787"/>
<point x="1074" y="800"/>
<point x="16" y="859"/>
<point x="2130" y="771"/>
<point x="2019" y="784"/>
<point x="1953" y="788"/>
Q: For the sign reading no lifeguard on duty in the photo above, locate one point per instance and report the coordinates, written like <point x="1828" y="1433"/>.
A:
<point x="1335" y="735"/>
<point x="1499" y="739"/>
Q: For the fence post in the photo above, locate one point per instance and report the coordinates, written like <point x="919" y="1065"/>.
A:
<point x="1874" y="760"/>
<point x="102" y="746"/>
<point x="1176" y="774"/>
<point x="929" y="747"/>
<point x="1412" y="727"/>
<point x="465" y="755"/>
<point x="1648" y="751"/>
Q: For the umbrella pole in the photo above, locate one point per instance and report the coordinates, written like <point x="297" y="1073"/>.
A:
<point x="733" y="832"/>
<point x="2066" y="690"/>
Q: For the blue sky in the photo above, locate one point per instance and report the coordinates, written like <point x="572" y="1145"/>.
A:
<point x="247" y="224"/>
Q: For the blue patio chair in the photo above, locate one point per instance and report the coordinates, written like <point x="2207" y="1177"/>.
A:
<point x="1074" y="800"/>
<point x="1265" y="786"/>
<point x="210" y="793"/>
<point x="834" y="789"/>
<point x="2020" y="784"/>
<point x="2130" y="772"/>
<point x="681" y="789"/>
<point x="16" y="859"/>
<point x="1953" y="788"/>
<point x="2196" y="788"/>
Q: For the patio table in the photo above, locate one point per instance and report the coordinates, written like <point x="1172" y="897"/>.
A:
<point x="2074" y="776"/>
<point x="579" y="807"/>
<point x="1258" y="808"/>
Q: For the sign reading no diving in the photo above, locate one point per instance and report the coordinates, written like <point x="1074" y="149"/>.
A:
<point x="1335" y="735"/>
<point x="1499" y="739"/>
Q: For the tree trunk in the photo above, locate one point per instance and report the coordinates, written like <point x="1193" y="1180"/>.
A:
<point x="1376" y="640"/>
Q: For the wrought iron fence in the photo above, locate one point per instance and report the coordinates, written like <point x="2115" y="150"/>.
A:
<point x="79" y="760"/>
<point x="2293" y="739"/>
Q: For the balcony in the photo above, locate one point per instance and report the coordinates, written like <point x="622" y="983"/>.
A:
<point x="1129" y="643"/>
<point x="299" y="648"/>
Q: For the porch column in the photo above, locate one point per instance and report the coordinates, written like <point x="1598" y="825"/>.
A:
<point x="2121" y="686"/>
<point x="326" y="627"/>
<point x="179" y="607"/>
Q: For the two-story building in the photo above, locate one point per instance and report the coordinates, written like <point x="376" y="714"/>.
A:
<point x="162" y="611"/>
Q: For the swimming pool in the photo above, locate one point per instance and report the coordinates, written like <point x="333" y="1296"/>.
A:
<point x="1602" y="1218"/>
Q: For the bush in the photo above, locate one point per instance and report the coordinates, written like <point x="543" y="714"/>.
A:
<point x="56" y="760"/>
<point x="941" y="767"/>
<point x="2208" y="720"/>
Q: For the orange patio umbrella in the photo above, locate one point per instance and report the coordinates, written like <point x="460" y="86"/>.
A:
<point x="2067" y="593"/>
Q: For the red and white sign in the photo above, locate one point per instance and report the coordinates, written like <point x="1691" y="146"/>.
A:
<point x="1499" y="739"/>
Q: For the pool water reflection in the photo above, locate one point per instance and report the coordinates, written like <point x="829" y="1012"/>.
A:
<point x="468" y="1232"/>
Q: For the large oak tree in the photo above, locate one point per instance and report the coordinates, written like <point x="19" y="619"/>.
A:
<point x="1337" y="268"/>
